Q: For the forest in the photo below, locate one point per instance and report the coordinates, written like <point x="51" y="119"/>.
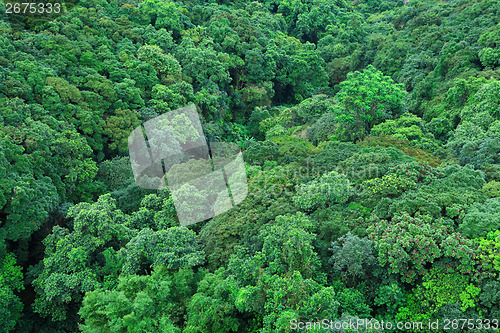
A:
<point x="370" y="135"/>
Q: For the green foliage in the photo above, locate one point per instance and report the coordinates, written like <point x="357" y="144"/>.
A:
<point x="287" y="245"/>
<point x="407" y="127"/>
<point x="387" y="186"/>
<point x="475" y="140"/>
<point x="324" y="127"/>
<point x="490" y="57"/>
<point x="308" y="111"/>
<point x="76" y="261"/>
<point x="403" y="145"/>
<point x="42" y="165"/>
<point x="212" y="308"/>
<point x="391" y="296"/>
<point x="312" y="108"/>
<point x="352" y="256"/>
<point x="11" y="281"/>
<point x="372" y="162"/>
<point x="278" y="276"/>
<point x="150" y="303"/>
<point x="416" y="82"/>
<point x="398" y="180"/>
<point x="114" y="173"/>
<point x="118" y="127"/>
<point x="407" y="244"/>
<point x="331" y="188"/>
<point x="333" y="153"/>
<point x="282" y="274"/>
<point x="492" y="189"/>
<point x="366" y="99"/>
<point x="353" y="302"/>
<point x="172" y="248"/>
<point x="165" y="15"/>
<point x="291" y="146"/>
<point x="489" y="254"/>
<point x="263" y="204"/>
<point x="481" y="218"/>
<point x="204" y="63"/>
<point x="167" y="67"/>
<point x="440" y="128"/>
<point x="455" y="189"/>
<point x="259" y="152"/>
<point x="295" y="65"/>
<point x="440" y="287"/>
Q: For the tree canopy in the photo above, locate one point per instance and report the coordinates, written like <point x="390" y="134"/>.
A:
<point x="370" y="140"/>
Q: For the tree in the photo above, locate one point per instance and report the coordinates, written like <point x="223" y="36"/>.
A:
<point x="352" y="257"/>
<point x="331" y="188"/>
<point x="129" y="94"/>
<point x="371" y="162"/>
<point x="392" y="296"/>
<point x="440" y="287"/>
<point x="259" y="152"/>
<point x="481" y="218"/>
<point x="409" y="244"/>
<point x="203" y="63"/>
<point x="11" y="279"/>
<point x="166" y="65"/>
<point x="67" y="92"/>
<point x="407" y="127"/>
<point x="155" y="302"/>
<point x="118" y="128"/>
<point x="102" y="87"/>
<point x="166" y="15"/>
<point x="81" y="259"/>
<point x="366" y="99"/>
<point x="172" y="248"/>
<point x="489" y="57"/>
<point x="401" y="144"/>
<point x="398" y="180"/>
<point x="45" y="163"/>
<point x="256" y="68"/>
<point x="455" y="189"/>
<point x="172" y="97"/>
<point x="267" y="287"/>
<point x="310" y="109"/>
<point x="212" y="308"/>
<point x="324" y="127"/>
<point x="489" y="253"/>
<point x="290" y="60"/>
<point x="288" y="245"/>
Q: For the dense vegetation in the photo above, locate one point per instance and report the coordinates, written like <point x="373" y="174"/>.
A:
<point x="371" y="139"/>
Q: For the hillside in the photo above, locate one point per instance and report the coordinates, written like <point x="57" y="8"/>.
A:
<point x="370" y="132"/>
